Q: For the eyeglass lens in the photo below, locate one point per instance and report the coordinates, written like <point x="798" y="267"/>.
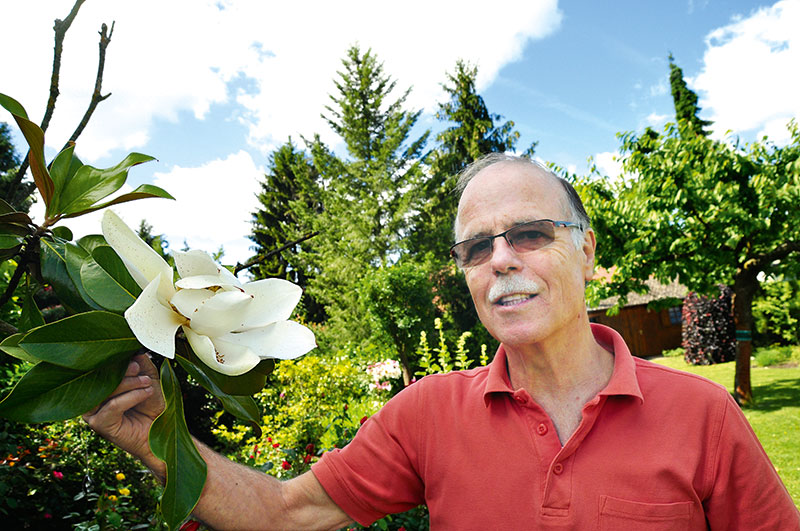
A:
<point x="522" y="238"/>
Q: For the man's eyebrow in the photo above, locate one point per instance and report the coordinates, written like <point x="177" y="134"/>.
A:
<point x="485" y="234"/>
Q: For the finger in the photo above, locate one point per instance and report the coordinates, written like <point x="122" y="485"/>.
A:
<point x="129" y="383"/>
<point x="146" y="366"/>
<point x="112" y="410"/>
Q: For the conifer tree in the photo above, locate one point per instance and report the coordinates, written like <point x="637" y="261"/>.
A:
<point x="685" y="101"/>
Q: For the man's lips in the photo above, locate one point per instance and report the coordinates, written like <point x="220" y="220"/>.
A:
<point x="513" y="299"/>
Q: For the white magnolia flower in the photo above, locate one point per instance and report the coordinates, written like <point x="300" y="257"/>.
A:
<point x="230" y="326"/>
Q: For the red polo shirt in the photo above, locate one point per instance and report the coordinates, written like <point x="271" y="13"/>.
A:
<point x="656" y="449"/>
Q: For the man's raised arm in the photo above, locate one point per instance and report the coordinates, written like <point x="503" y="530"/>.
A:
<point x="234" y="496"/>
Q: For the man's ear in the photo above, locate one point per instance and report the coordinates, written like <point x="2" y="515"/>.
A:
<point x="589" y="245"/>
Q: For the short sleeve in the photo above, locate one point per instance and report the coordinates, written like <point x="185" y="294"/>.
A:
<point x="747" y="492"/>
<point x="377" y="473"/>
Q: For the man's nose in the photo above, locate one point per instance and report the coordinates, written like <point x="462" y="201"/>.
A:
<point x="504" y="257"/>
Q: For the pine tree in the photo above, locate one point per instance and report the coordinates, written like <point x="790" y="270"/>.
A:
<point x="685" y="101"/>
<point x="9" y="164"/>
<point x="366" y="196"/>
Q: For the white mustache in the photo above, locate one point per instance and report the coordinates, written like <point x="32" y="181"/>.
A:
<point x="510" y="285"/>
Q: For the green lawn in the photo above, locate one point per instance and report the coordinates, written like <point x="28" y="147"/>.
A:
<point x="775" y="417"/>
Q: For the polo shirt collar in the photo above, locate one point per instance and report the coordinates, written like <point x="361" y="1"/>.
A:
<point x="623" y="379"/>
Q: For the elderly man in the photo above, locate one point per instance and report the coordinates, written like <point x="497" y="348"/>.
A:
<point x="565" y="429"/>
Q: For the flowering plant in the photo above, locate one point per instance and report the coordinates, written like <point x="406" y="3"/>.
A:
<point x="381" y="372"/>
<point x="122" y="296"/>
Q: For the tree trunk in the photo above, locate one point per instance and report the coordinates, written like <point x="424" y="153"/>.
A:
<point x="744" y="289"/>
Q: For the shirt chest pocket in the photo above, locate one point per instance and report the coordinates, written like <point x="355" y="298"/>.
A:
<point x="623" y="515"/>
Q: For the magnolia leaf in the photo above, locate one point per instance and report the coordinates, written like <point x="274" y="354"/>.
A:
<point x="50" y="393"/>
<point x="74" y="256"/>
<point x="62" y="232"/>
<point x="5" y="208"/>
<point x="142" y="192"/>
<point x="62" y="169"/>
<point x="10" y="241"/>
<point x="81" y="342"/>
<point x="35" y="137"/>
<point x="92" y="241"/>
<point x="10" y="346"/>
<point x="18" y="229"/>
<point x="107" y="281"/>
<point x="54" y="271"/>
<point x="16" y="217"/>
<point x="241" y="407"/>
<point x="90" y="184"/>
<point x="170" y="441"/>
<point x="247" y="384"/>
<point x="31" y="315"/>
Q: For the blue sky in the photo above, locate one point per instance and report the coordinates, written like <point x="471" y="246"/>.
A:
<point x="210" y="88"/>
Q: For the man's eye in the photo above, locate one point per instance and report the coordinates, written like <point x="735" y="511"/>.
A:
<point x="528" y="235"/>
<point x="477" y="248"/>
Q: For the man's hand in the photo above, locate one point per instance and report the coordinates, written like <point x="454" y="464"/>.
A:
<point x="125" y="417"/>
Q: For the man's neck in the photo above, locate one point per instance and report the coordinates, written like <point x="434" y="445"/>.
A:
<point x="561" y="375"/>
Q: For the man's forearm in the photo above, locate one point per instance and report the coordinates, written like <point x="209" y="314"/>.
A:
<point x="239" y="497"/>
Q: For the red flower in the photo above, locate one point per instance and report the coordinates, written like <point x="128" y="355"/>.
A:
<point x="190" y="525"/>
<point x="402" y="529"/>
<point x="307" y="459"/>
<point x="269" y="439"/>
<point x="363" y="419"/>
<point x="57" y="474"/>
<point x="345" y="407"/>
<point x="276" y="445"/>
<point x="48" y="516"/>
<point x="286" y="465"/>
<point x="309" y="448"/>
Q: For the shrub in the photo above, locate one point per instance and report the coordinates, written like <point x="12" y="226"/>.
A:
<point x="709" y="334"/>
<point x="673" y="352"/>
<point x="776" y="313"/>
<point x="775" y="355"/>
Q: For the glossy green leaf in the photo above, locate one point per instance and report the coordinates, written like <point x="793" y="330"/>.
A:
<point x="74" y="256"/>
<point x="144" y="191"/>
<point x="9" y="241"/>
<point x="245" y="385"/>
<point x="89" y="184"/>
<point x="82" y="341"/>
<point x="50" y="393"/>
<point x="241" y="407"/>
<point x="170" y="441"/>
<point x="63" y="232"/>
<point x="10" y="346"/>
<point x="35" y="137"/>
<point x="62" y="169"/>
<point x="18" y="229"/>
<point x="91" y="241"/>
<point x="107" y="281"/>
<point x="5" y="208"/>
<point x="54" y="271"/>
<point x="16" y="217"/>
<point x="31" y="315"/>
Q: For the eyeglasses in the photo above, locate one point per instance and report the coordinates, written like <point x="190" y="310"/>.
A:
<point x="523" y="238"/>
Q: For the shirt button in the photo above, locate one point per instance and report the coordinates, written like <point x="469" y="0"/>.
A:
<point x="520" y="399"/>
<point x="558" y="468"/>
<point x="541" y="429"/>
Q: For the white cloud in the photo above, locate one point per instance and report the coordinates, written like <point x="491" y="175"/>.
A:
<point x="751" y="72"/>
<point x="608" y="164"/>
<point x="181" y="56"/>
<point x="655" y="120"/>
<point x="213" y="207"/>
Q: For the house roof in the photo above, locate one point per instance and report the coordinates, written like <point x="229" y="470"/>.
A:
<point x="656" y="291"/>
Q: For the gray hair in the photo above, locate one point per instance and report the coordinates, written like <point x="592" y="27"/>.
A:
<point x="572" y="204"/>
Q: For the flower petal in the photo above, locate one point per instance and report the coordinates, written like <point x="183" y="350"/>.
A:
<point x="283" y="340"/>
<point x="193" y="263"/>
<point x="223" y="357"/>
<point x="209" y="281"/>
<point x="274" y="300"/>
<point x="143" y="263"/>
<point x="221" y="313"/>
<point x="153" y="324"/>
<point x="187" y="301"/>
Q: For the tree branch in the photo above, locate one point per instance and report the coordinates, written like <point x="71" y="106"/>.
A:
<point x="781" y="251"/>
<point x="105" y="39"/>
<point x="262" y="257"/>
<point x="7" y="329"/>
<point x="60" y="28"/>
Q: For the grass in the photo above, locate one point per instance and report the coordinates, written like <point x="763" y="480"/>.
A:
<point x="775" y="416"/>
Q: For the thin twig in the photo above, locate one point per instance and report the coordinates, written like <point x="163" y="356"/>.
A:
<point x="60" y="28"/>
<point x="105" y="39"/>
<point x="262" y="257"/>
